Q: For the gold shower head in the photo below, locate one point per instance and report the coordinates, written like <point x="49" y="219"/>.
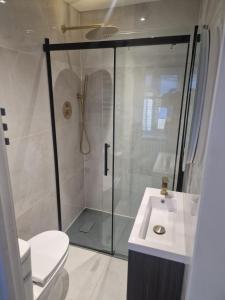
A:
<point x="103" y="32"/>
<point x="99" y="31"/>
<point x="65" y="28"/>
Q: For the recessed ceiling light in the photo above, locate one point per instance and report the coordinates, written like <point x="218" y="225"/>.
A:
<point x="142" y="19"/>
<point x="2" y="1"/>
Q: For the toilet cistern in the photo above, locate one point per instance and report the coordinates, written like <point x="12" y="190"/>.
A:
<point x="164" y="188"/>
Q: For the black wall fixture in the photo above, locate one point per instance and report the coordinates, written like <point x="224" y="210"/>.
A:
<point x="53" y="124"/>
<point x="4" y="125"/>
<point x="180" y="179"/>
<point x="163" y="40"/>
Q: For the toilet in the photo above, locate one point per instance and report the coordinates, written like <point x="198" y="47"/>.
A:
<point x="43" y="258"/>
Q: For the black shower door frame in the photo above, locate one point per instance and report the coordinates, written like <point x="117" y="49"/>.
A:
<point x="112" y="44"/>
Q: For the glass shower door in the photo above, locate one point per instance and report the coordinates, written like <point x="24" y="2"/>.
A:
<point x="149" y="85"/>
<point x="83" y="99"/>
<point x="98" y="65"/>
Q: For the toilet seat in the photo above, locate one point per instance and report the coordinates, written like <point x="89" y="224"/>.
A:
<point x="38" y="291"/>
<point x="48" y="251"/>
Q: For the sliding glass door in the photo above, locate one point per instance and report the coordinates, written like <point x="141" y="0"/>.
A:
<point x="116" y="111"/>
<point x="83" y="102"/>
<point x="149" y="86"/>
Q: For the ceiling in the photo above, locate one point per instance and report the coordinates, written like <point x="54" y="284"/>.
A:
<point x="86" y="5"/>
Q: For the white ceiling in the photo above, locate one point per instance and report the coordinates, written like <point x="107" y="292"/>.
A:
<point x="86" y="5"/>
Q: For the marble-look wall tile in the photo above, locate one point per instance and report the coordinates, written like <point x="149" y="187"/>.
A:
<point x="67" y="85"/>
<point x="24" y="94"/>
<point x="31" y="169"/>
<point x="72" y="197"/>
<point x="41" y="216"/>
<point x="26" y="23"/>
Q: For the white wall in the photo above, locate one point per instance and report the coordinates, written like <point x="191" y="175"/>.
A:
<point x="207" y="272"/>
<point x="211" y="12"/>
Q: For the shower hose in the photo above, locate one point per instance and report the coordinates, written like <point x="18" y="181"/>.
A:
<point x="83" y="130"/>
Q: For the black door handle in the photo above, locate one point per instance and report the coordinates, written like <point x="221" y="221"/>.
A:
<point x="106" y="159"/>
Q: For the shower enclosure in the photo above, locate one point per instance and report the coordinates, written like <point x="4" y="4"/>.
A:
<point x="119" y="133"/>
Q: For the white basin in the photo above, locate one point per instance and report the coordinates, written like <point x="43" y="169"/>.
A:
<point x="159" y="211"/>
<point x="167" y="212"/>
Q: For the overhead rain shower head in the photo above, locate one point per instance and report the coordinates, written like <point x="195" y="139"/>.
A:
<point x="103" y="32"/>
<point x="65" y="28"/>
<point x="97" y="32"/>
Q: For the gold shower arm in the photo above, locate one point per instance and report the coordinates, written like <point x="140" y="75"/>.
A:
<point x="95" y="26"/>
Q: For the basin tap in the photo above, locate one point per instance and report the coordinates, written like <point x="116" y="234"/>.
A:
<point x="164" y="188"/>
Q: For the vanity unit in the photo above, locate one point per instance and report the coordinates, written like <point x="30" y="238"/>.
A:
<point x="157" y="251"/>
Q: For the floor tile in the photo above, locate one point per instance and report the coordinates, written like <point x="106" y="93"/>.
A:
<point x="95" y="276"/>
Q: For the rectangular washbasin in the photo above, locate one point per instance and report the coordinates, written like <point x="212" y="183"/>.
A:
<point x="166" y="212"/>
<point x="160" y="211"/>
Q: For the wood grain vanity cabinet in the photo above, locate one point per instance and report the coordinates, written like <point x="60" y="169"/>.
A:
<point x="153" y="278"/>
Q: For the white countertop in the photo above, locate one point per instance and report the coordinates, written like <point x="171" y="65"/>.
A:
<point x="169" y="246"/>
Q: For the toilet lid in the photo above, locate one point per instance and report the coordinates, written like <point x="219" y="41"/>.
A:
<point x="47" y="251"/>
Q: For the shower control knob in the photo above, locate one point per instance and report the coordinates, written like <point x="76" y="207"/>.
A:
<point x="2" y="111"/>
<point x="5" y="126"/>
<point x="7" y="141"/>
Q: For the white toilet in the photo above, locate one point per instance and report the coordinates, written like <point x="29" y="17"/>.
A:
<point x="42" y="259"/>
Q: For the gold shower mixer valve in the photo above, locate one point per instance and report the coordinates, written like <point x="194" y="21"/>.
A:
<point x="67" y="110"/>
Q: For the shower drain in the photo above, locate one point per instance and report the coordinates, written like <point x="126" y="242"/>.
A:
<point x="159" y="229"/>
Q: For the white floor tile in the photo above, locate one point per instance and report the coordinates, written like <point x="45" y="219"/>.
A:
<point x="95" y="276"/>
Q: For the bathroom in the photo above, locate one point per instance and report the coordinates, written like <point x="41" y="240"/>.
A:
<point x="99" y="101"/>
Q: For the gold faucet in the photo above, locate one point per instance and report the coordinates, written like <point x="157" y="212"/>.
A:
<point x="164" y="188"/>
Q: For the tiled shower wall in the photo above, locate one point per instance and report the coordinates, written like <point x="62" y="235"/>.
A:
<point x="24" y="93"/>
<point x="71" y="164"/>
<point x="98" y="65"/>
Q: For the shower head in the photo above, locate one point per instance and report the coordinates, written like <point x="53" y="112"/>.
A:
<point x="103" y="32"/>
<point x="65" y="28"/>
<point x="97" y="32"/>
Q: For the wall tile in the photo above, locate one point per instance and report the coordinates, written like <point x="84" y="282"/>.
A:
<point x="41" y="216"/>
<point x="24" y="94"/>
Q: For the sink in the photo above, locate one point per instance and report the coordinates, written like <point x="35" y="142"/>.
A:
<point x="165" y="211"/>
<point x="159" y="211"/>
